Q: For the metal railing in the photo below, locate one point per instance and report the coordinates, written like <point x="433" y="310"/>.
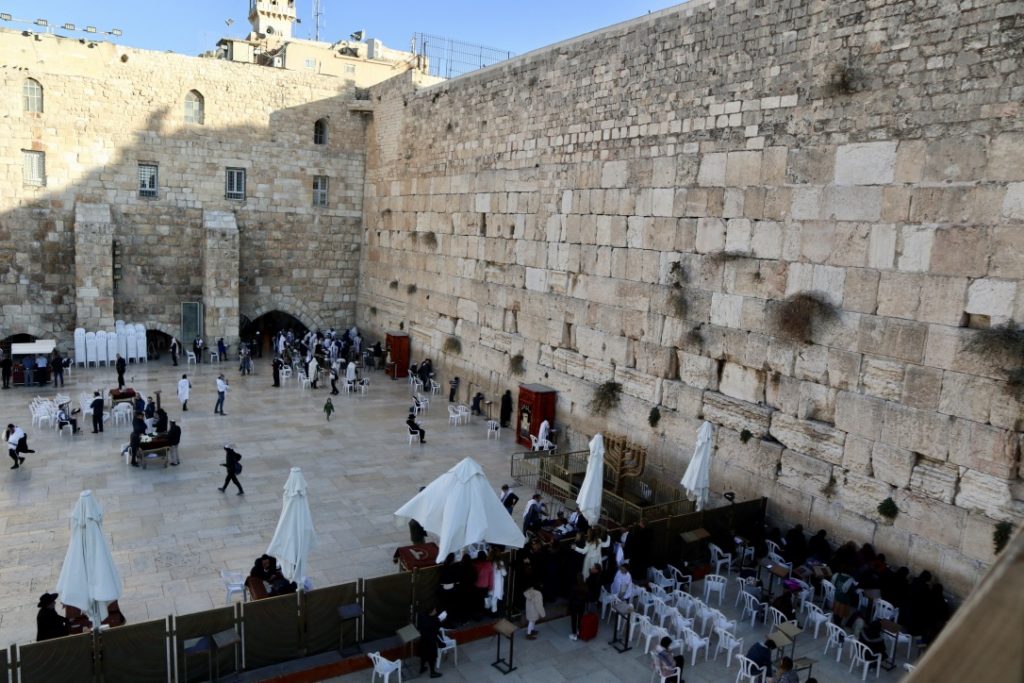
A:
<point x="447" y="58"/>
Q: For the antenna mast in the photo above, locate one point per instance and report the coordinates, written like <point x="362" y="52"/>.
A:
<point x="318" y="18"/>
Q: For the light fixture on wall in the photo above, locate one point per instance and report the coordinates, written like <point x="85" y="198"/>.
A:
<point x="4" y="16"/>
<point x="41" y="22"/>
<point x="68" y="27"/>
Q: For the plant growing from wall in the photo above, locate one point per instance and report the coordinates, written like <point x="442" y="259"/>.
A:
<point x="1004" y="345"/>
<point x="654" y="417"/>
<point x="723" y="256"/>
<point x="745" y="435"/>
<point x="829" y="488"/>
<point x="847" y="80"/>
<point x="411" y="289"/>
<point x="373" y="310"/>
<point x="606" y="397"/>
<point x="802" y="314"/>
<point x="393" y="284"/>
<point x="517" y="364"/>
<point x="452" y="345"/>
<point x="677" y="300"/>
<point x="1001" y="535"/>
<point x="695" y="337"/>
<point x="887" y="508"/>
<point x="429" y="240"/>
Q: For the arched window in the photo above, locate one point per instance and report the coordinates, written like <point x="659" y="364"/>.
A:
<point x="320" y="132"/>
<point x="32" y="95"/>
<point x="194" y="107"/>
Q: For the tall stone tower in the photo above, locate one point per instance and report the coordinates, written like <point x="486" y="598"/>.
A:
<point x="272" y="18"/>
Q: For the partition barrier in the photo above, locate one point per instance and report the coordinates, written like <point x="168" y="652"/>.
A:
<point x="288" y="627"/>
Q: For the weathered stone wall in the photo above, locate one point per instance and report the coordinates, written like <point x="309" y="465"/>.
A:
<point x="107" y="108"/>
<point x="866" y="151"/>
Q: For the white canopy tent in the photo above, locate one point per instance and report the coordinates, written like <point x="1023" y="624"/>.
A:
<point x="696" y="480"/>
<point x="89" y="579"/>
<point x="462" y="509"/>
<point x="42" y="346"/>
<point x="295" y="536"/>
<point x="592" y="489"/>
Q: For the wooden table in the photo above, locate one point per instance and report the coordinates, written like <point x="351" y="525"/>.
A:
<point x="773" y="571"/>
<point x="804" y="663"/>
<point x="127" y="395"/>
<point x="790" y="631"/>
<point x="419" y="556"/>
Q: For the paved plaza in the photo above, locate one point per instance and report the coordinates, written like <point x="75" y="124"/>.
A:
<point x="172" y="532"/>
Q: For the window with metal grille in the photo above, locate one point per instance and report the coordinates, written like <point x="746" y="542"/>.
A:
<point x="320" y="132"/>
<point x="311" y="64"/>
<point x="33" y="171"/>
<point x="194" y="107"/>
<point x="148" y="180"/>
<point x="32" y="96"/>
<point x="320" y="190"/>
<point x="234" y="183"/>
<point x="350" y="68"/>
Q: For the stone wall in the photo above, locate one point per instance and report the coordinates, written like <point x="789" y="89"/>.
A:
<point x="108" y="108"/>
<point x="636" y="205"/>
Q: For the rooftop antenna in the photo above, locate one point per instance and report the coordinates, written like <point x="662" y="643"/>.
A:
<point x="318" y="18"/>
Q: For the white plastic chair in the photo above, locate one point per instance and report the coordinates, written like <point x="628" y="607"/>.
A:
<point x="214" y="357"/>
<point x="639" y="624"/>
<point x="684" y="603"/>
<point x="892" y="641"/>
<point x="776" y="559"/>
<point x="663" y="612"/>
<point x="704" y="612"/>
<point x="885" y="610"/>
<point x="658" y="591"/>
<point x="751" y="605"/>
<point x="447" y="644"/>
<point x="607" y="600"/>
<point x="828" y="594"/>
<point x="435" y="388"/>
<point x="713" y="583"/>
<point x="862" y="656"/>
<point x="816" y="616"/>
<point x="234" y="582"/>
<point x="720" y="559"/>
<point x="683" y="581"/>
<point x="190" y="358"/>
<point x="773" y="617"/>
<point x="453" y="416"/>
<point x="286" y="374"/>
<point x="675" y="674"/>
<point x="645" y="601"/>
<point x="652" y="633"/>
<point x="384" y="668"/>
<point x="678" y="624"/>
<point x="728" y="642"/>
<point x="749" y="672"/>
<point x="837" y="636"/>
<point x="658" y="578"/>
<point x="773" y="547"/>
<point x="694" y="643"/>
<point x="493" y="429"/>
<point x="720" y="622"/>
<point x="414" y="435"/>
<point x="304" y="382"/>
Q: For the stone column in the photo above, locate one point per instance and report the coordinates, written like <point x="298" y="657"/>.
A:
<point x="94" y="267"/>
<point x="220" y="277"/>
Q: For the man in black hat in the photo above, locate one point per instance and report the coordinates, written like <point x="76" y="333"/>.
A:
<point x="233" y="464"/>
<point x="49" y="624"/>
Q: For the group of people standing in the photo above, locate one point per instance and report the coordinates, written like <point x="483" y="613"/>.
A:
<point x="36" y="369"/>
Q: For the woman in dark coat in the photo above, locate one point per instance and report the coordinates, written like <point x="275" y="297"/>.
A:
<point x="506" y="408"/>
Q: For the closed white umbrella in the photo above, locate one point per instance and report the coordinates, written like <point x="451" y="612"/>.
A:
<point x="589" y="498"/>
<point x="295" y="536"/>
<point x="461" y="508"/>
<point x="88" y="578"/>
<point x="696" y="480"/>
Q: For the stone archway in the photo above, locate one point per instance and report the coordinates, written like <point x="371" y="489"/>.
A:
<point x="290" y="305"/>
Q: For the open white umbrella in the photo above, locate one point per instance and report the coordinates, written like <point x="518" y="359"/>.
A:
<point x="589" y="499"/>
<point x="461" y="508"/>
<point x="88" y="578"/>
<point x="696" y="480"/>
<point x="295" y="536"/>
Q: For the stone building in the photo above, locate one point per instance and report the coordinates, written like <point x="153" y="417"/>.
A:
<point x="665" y="204"/>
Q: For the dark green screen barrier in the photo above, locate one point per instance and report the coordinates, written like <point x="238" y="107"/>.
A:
<point x="136" y="653"/>
<point x="320" y="610"/>
<point x="62" y="660"/>
<point x="387" y="604"/>
<point x="271" y="630"/>
<point x="204" y="624"/>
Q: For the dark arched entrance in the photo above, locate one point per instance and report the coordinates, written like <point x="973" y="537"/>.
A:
<point x="269" y="324"/>
<point x="157" y="343"/>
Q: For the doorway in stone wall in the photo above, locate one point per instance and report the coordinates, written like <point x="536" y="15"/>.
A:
<point x="268" y="325"/>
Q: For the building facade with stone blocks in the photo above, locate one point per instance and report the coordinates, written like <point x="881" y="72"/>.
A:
<point x="639" y="203"/>
<point x="117" y="201"/>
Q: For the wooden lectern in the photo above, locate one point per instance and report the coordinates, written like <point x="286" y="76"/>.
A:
<point x="506" y="628"/>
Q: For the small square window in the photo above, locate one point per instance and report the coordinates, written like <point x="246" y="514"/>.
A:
<point x="320" y="183"/>
<point x="33" y="171"/>
<point x="350" y="68"/>
<point x="148" y="180"/>
<point x="311" y="64"/>
<point x="234" y="183"/>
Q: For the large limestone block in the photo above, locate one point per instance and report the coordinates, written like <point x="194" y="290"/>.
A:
<point x="756" y="456"/>
<point x="985" y="448"/>
<point x="857" y="455"/>
<point x="816" y="402"/>
<point x="942" y="300"/>
<point x="742" y="169"/>
<point x="984" y="493"/>
<point x="899" y="294"/>
<point x="712" y="170"/>
<point x="862" y="494"/>
<point x="922" y="387"/>
<point x="853" y="203"/>
<point x="923" y="516"/>
<point x="698" y="371"/>
<point x="1004" y="157"/>
<point x="992" y="297"/>
<point x="841" y="523"/>
<point x="967" y="396"/>
<point x="636" y="383"/>
<point x="892" y="465"/>
<point x="922" y="431"/>
<point x="739" y="381"/>
<point x="961" y="251"/>
<point x="902" y="339"/>
<point x="655" y="360"/>
<point x="934" y="480"/>
<point x="817" y="439"/>
<point x="789" y="502"/>
<point x="736" y="414"/>
<point x="976" y="538"/>
<point x="860" y="290"/>
<point x="805" y="472"/>
<point x="685" y="399"/>
<point x="860" y="415"/>
<point x="866" y="163"/>
<point x="882" y="378"/>
<point x="614" y="174"/>
<point x="843" y="369"/>
<point x="1013" y="202"/>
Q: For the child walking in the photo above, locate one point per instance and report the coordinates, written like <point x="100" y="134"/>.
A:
<point x="328" y="408"/>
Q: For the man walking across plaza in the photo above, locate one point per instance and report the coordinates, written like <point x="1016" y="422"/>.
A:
<point x="277" y="365"/>
<point x="222" y="390"/>
<point x="97" y="412"/>
<point x="17" y="443"/>
<point x="120" y="366"/>
<point x="233" y="464"/>
<point x="57" y="362"/>
<point x="184" y="387"/>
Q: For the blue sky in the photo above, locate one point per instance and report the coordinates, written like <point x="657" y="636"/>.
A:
<point x="191" y="26"/>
